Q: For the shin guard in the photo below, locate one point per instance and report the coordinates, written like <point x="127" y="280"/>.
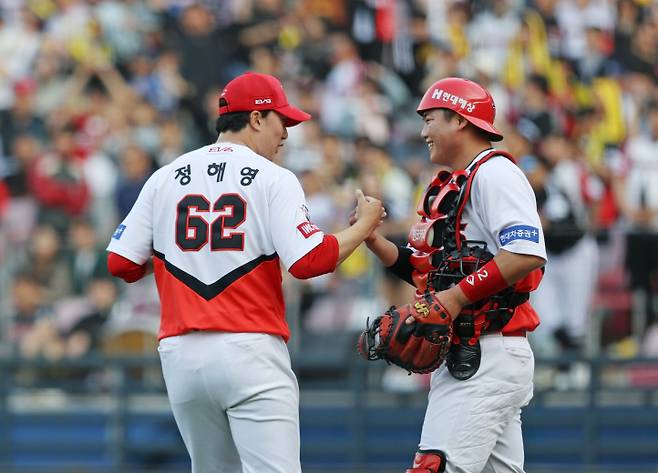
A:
<point x="428" y="461"/>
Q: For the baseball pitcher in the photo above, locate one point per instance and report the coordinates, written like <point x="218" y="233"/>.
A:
<point x="214" y="226"/>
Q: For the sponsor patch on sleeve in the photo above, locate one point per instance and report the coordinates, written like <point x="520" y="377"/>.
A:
<point x="118" y="232"/>
<point x="519" y="232"/>
<point x="307" y="229"/>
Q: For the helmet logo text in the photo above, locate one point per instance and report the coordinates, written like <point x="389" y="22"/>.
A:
<point x="439" y="94"/>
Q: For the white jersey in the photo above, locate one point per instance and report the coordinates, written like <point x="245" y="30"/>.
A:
<point x="217" y="221"/>
<point x="502" y="210"/>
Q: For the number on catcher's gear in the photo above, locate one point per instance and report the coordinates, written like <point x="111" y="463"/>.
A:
<point x="416" y="347"/>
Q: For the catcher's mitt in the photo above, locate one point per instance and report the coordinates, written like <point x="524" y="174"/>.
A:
<point x="416" y="347"/>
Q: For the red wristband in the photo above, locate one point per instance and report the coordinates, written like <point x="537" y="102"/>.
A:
<point x="483" y="283"/>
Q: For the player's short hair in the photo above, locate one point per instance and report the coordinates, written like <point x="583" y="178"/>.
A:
<point x="448" y="114"/>
<point x="234" y="121"/>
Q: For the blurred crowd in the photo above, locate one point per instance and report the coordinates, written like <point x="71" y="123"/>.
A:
<point x="95" y="95"/>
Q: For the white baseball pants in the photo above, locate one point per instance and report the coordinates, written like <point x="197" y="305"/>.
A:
<point x="477" y="422"/>
<point x="235" y="400"/>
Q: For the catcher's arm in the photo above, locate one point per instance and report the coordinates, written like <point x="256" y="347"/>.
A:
<point x="402" y="267"/>
<point x="383" y="248"/>
<point x="395" y="258"/>
<point x="505" y="269"/>
<point x="367" y="217"/>
<point x="429" y="313"/>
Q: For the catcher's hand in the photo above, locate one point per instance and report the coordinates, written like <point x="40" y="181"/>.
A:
<point x="416" y="347"/>
<point x="430" y="314"/>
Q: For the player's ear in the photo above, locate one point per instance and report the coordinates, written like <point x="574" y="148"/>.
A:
<point x="461" y="121"/>
<point x="255" y="119"/>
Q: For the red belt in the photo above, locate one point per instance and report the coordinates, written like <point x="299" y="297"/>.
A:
<point x="515" y="333"/>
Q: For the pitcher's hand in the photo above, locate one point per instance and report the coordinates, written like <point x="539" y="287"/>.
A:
<point x="368" y="210"/>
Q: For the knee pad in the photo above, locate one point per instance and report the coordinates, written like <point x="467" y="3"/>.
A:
<point x="428" y="461"/>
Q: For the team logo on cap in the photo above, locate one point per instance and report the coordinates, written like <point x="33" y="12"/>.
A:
<point x="262" y="101"/>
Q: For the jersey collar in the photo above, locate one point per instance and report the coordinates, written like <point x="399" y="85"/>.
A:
<point x="475" y="160"/>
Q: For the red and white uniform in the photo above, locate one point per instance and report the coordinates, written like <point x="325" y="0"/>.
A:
<point x="477" y="422"/>
<point x="218" y="221"/>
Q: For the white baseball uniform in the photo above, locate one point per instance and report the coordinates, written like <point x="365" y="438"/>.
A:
<point x="477" y="422"/>
<point x="218" y="221"/>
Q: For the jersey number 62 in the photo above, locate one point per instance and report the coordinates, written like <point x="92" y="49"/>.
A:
<point x="192" y="230"/>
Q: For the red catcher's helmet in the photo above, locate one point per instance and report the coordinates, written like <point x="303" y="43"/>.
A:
<point x="465" y="97"/>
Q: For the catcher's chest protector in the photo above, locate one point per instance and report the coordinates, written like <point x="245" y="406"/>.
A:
<point x="438" y="233"/>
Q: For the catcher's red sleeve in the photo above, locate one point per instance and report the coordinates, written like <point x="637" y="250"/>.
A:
<point x="125" y="269"/>
<point x="320" y="260"/>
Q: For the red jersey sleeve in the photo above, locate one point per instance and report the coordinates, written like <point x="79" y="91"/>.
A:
<point x="320" y="260"/>
<point x="125" y="269"/>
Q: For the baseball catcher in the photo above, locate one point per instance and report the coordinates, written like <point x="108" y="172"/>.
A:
<point x="474" y="255"/>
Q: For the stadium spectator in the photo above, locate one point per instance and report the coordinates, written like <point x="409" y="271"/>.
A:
<point x="564" y="194"/>
<point x="45" y="262"/>
<point x="85" y="257"/>
<point x="136" y="167"/>
<point x="639" y="203"/>
<point x="21" y="118"/>
<point x="28" y="311"/>
<point x="57" y="181"/>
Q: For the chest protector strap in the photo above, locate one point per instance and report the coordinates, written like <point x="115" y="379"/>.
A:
<point x="466" y="193"/>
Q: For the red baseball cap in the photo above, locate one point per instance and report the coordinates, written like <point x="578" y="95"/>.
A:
<point x="254" y="91"/>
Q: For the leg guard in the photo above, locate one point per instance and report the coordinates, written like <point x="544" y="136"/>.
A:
<point x="429" y="461"/>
